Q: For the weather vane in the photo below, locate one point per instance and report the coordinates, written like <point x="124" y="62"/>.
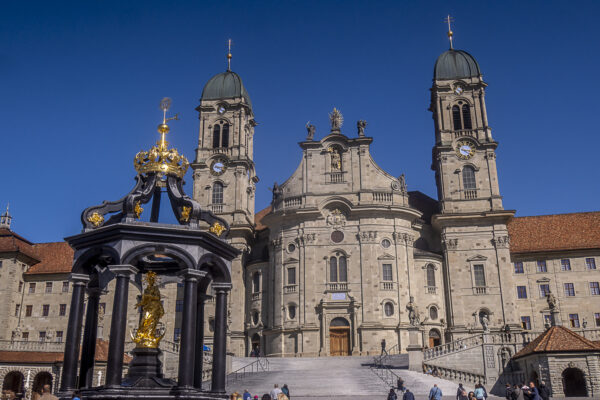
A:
<point x="163" y="128"/>
<point x="449" y="20"/>
<point x="229" y="55"/>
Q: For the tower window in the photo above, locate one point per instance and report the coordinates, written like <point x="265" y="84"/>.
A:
<point x="468" y="176"/>
<point x="256" y="282"/>
<point x="338" y="270"/>
<point x="387" y="272"/>
<point x="430" y="275"/>
<point x="292" y="311"/>
<point x="388" y="309"/>
<point x="217" y="193"/>
<point x="225" y="136"/>
<point x="479" y="275"/>
<point x="216" y="136"/>
<point x="466" y="114"/>
<point x="456" y="118"/>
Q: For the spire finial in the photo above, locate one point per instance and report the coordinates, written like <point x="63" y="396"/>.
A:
<point x="229" y="55"/>
<point x="6" y="218"/>
<point x="448" y="20"/>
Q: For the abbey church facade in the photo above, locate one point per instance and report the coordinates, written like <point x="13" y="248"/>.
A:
<point x="346" y="256"/>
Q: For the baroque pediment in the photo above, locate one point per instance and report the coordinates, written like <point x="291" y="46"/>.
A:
<point x="386" y="256"/>
<point x="477" y="257"/>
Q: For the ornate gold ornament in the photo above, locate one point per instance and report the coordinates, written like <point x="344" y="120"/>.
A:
<point x="465" y="149"/>
<point x="145" y="335"/>
<point x="336" y="119"/>
<point x="96" y="219"/>
<point x="160" y="159"/>
<point x="138" y="210"/>
<point x="185" y="214"/>
<point x="217" y="229"/>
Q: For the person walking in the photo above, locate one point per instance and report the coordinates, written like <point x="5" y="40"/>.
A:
<point x="275" y="392"/>
<point x="286" y="390"/>
<point x="472" y="396"/>
<point x="46" y="394"/>
<point x="544" y="391"/>
<point x="508" y="392"/>
<point x="246" y="395"/>
<point x="461" y="393"/>
<point x="435" y="393"/>
<point x="479" y="392"/>
<point x="408" y="395"/>
<point x="400" y="384"/>
<point x="392" y="395"/>
<point x="383" y="346"/>
<point x="534" y="393"/>
<point x="517" y="393"/>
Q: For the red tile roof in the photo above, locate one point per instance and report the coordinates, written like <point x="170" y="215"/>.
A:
<point x="259" y="216"/>
<point x="50" y="357"/>
<point x="11" y="242"/>
<point x="555" y="232"/>
<point x="56" y="258"/>
<point x="558" y="339"/>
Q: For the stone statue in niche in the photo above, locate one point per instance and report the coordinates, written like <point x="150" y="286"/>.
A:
<point x="310" y="129"/>
<point x="485" y="322"/>
<point x="336" y="159"/>
<point x="361" y="125"/>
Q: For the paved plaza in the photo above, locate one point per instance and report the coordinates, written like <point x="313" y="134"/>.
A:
<point x="332" y="377"/>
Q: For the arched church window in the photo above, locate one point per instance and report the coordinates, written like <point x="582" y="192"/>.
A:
<point x="217" y="193"/>
<point x="338" y="269"/>
<point x="456" y="118"/>
<point x="430" y="275"/>
<point x="466" y="114"/>
<point x="468" y="176"/>
<point x="216" y="136"/>
<point x="433" y="313"/>
<point x="292" y="311"/>
<point x="388" y="308"/>
<point x="256" y="282"/>
<point x="225" y="136"/>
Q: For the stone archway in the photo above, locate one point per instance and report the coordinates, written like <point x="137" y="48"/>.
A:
<point x="573" y="380"/>
<point x="339" y="337"/>
<point x="435" y="338"/>
<point x="41" y="378"/>
<point x="255" y="343"/>
<point x="13" y="382"/>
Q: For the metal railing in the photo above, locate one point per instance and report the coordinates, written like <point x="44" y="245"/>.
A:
<point x="382" y="370"/>
<point x="260" y="365"/>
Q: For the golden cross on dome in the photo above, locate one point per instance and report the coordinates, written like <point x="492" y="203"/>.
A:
<point x="163" y="128"/>
<point x="229" y="55"/>
<point x="448" y="20"/>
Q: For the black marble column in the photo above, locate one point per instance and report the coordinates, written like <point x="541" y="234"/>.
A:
<point x="118" y="325"/>
<point x="187" y="349"/>
<point x="88" y="349"/>
<point x="199" y="357"/>
<point x="71" y="358"/>
<point x="220" y="344"/>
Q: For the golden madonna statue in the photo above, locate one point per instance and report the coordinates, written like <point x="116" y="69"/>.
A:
<point x="146" y="335"/>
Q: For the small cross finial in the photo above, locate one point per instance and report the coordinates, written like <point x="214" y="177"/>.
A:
<point x="449" y="20"/>
<point x="229" y="55"/>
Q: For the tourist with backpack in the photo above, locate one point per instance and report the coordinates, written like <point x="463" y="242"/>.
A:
<point x="461" y="393"/>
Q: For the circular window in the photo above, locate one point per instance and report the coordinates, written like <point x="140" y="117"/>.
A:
<point x="433" y="313"/>
<point x="385" y="243"/>
<point x="337" y="236"/>
<point x="291" y="247"/>
<point x="292" y="311"/>
<point x="388" y="308"/>
<point x="255" y="318"/>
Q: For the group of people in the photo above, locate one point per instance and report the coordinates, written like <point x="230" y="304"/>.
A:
<point x="478" y="394"/>
<point x="275" y="394"/>
<point x="525" y="392"/>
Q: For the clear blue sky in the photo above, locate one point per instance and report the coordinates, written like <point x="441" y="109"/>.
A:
<point x="81" y="83"/>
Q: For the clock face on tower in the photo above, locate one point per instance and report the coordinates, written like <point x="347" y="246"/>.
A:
<point x="218" y="166"/>
<point x="465" y="149"/>
<point x="221" y="110"/>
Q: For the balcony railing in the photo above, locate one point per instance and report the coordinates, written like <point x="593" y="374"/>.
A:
<point x="25" y="345"/>
<point x="470" y="194"/>
<point x="336" y="177"/>
<point x="337" y="286"/>
<point x="387" y="285"/>
<point x="290" y="288"/>
<point x="295" y="201"/>
<point x="430" y="289"/>
<point x="382" y="197"/>
<point x="480" y="290"/>
<point x="216" y="208"/>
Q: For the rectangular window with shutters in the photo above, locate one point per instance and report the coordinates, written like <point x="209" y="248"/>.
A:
<point x="521" y="292"/>
<point x="20" y="287"/>
<point x="17" y="309"/>
<point x="541" y="266"/>
<point x="62" y="310"/>
<point x="28" y="310"/>
<point x="526" y="322"/>
<point x="569" y="289"/>
<point x="594" y="288"/>
<point x="544" y="289"/>
<point x="65" y="287"/>
<point x="590" y="263"/>
<point x="59" y="336"/>
<point x="387" y="272"/>
<point x="48" y="287"/>
<point x="574" y="320"/>
<point x="291" y="276"/>
<point x="519" y="267"/>
<point x="25" y="336"/>
<point x="45" y="310"/>
<point x="565" y="264"/>
<point x="479" y="275"/>
<point x="42" y="336"/>
<point x="32" y="287"/>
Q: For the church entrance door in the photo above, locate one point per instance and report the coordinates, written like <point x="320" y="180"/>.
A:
<point x="339" y="337"/>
